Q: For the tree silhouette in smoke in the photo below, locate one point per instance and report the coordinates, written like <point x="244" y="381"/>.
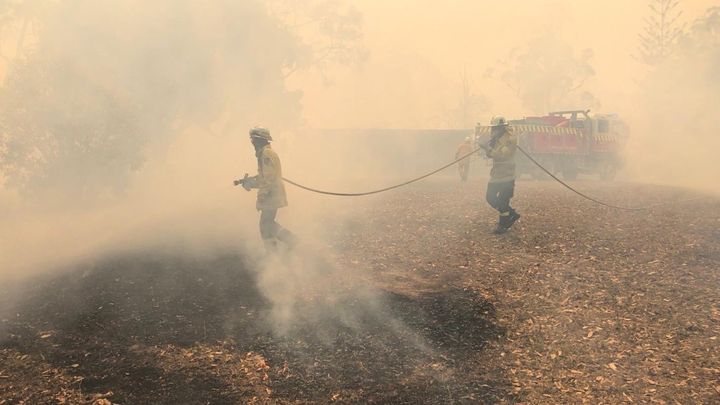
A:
<point x="662" y="31"/>
<point x="331" y="30"/>
<point x="689" y="74"/>
<point x="103" y="80"/>
<point x="680" y="96"/>
<point x="547" y="74"/>
<point x="470" y="104"/>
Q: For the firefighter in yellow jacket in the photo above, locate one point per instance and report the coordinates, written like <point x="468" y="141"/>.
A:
<point x="501" y="149"/>
<point x="271" y="190"/>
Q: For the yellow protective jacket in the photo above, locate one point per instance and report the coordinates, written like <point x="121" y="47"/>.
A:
<point x="269" y="182"/>
<point x="503" y="156"/>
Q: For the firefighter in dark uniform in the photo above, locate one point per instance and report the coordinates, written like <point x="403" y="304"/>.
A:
<point x="501" y="149"/>
<point x="271" y="190"/>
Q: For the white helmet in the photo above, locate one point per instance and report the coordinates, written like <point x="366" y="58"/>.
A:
<point x="499" y="121"/>
<point x="260" y="133"/>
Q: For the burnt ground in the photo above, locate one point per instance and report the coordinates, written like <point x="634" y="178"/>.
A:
<point x="577" y="304"/>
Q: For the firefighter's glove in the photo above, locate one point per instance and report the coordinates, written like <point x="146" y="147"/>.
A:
<point x="249" y="183"/>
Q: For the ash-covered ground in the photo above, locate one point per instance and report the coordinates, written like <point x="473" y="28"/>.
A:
<point x="420" y="304"/>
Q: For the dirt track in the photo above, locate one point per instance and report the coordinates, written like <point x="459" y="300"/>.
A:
<point x="578" y="304"/>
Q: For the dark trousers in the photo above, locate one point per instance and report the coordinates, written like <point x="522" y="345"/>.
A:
<point x="268" y="227"/>
<point x="270" y="230"/>
<point x="499" y="194"/>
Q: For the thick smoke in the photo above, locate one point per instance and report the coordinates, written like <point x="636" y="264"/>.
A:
<point x="548" y="74"/>
<point x="123" y="122"/>
<point x="675" y="137"/>
<point x="107" y="80"/>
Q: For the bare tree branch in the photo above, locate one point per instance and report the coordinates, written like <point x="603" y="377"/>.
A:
<point x="662" y="31"/>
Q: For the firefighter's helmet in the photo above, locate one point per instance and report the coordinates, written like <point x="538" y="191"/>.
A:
<point x="260" y="133"/>
<point x="498" y="121"/>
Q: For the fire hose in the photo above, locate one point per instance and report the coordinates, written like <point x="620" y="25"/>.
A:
<point x="386" y="188"/>
<point x="405" y="183"/>
<point x="595" y="200"/>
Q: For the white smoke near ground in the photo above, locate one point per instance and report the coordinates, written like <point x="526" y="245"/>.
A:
<point x="124" y="124"/>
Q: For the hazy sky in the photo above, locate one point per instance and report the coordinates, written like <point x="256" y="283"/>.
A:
<point x="419" y="49"/>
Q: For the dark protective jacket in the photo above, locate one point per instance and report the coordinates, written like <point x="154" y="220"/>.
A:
<point x="502" y="152"/>
<point x="269" y="182"/>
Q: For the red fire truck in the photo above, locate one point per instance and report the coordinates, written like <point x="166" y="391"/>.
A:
<point x="568" y="143"/>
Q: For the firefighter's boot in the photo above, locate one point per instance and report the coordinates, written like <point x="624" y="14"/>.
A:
<point x="502" y="225"/>
<point x="271" y="245"/>
<point x="514" y="216"/>
<point x="287" y="237"/>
